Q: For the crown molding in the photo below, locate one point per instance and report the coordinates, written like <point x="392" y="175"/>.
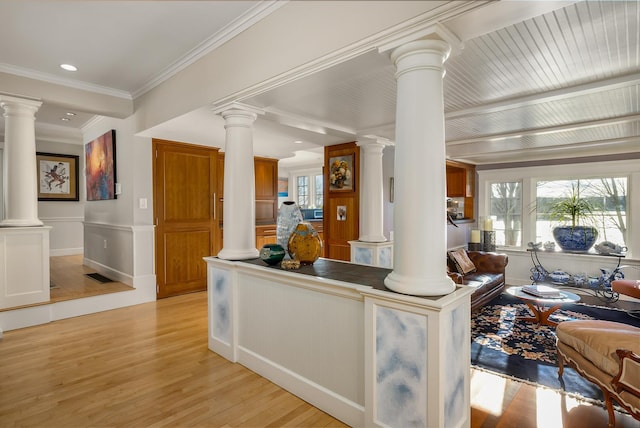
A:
<point x="76" y="84"/>
<point x="249" y="18"/>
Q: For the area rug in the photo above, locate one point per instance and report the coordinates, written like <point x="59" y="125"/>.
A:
<point x="523" y="350"/>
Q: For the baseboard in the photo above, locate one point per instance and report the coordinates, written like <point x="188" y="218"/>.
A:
<point x="109" y="272"/>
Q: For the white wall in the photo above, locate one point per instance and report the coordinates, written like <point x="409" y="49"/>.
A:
<point x="65" y="218"/>
<point x="118" y="234"/>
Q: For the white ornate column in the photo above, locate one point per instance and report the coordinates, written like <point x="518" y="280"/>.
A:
<point x="19" y="163"/>
<point x="239" y="227"/>
<point x="371" y="228"/>
<point x="420" y="241"/>
<point x="372" y="248"/>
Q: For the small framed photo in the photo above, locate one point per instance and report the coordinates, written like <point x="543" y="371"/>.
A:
<point x="341" y="174"/>
<point x="341" y="213"/>
<point x="57" y="177"/>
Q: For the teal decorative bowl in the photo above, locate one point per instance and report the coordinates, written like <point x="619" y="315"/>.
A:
<point x="272" y="254"/>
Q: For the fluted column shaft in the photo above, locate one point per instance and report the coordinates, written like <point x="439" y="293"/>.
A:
<point x="420" y="241"/>
<point x="371" y="203"/>
<point x="239" y="187"/>
<point x="19" y="162"/>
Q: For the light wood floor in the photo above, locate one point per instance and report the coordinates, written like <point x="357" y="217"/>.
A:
<point x="149" y="365"/>
<point x="68" y="280"/>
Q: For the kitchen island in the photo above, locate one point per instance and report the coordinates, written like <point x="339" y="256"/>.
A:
<point x="332" y="334"/>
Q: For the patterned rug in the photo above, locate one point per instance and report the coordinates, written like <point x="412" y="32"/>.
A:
<point x="503" y="344"/>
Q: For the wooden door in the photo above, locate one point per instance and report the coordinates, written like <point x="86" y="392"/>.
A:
<point x="185" y="213"/>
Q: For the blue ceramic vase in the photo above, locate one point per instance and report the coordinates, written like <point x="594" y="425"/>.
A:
<point x="576" y="238"/>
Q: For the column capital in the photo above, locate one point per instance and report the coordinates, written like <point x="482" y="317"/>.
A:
<point x="424" y="31"/>
<point x="371" y="141"/>
<point x="17" y="105"/>
<point x="236" y="108"/>
<point x="420" y="55"/>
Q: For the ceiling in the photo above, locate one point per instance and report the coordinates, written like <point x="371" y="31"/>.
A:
<point x="534" y="81"/>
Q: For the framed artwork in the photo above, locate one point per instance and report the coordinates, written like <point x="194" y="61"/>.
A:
<point x="100" y="163"/>
<point x="342" y="174"/>
<point x="283" y="187"/>
<point x="57" y="177"/>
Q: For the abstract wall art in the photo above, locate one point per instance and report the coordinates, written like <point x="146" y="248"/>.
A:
<point x="100" y="163"/>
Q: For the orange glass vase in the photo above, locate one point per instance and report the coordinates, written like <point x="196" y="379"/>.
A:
<point x="305" y="244"/>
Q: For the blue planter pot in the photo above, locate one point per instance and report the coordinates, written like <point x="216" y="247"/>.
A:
<point x="578" y="238"/>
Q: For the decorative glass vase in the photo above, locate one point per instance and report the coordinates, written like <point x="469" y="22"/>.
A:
<point x="305" y="244"/>
<point x="289" y="215"/>
<point x="272" y="254"/>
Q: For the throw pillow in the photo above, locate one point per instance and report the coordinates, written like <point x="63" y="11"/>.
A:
<point x="461" y="260"/>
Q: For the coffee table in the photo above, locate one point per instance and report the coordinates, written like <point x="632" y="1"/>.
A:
<point x="543" y="307"/>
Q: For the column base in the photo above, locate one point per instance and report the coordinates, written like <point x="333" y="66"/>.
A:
<point x="21" y="222"/>
<point x="372" y="253"/>
<point x="419" y="286"/>
<point x="373" y="238"/>
<point x="227" y="254"/>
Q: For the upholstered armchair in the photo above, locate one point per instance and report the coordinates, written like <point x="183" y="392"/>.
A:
<point x="606" y="353"/>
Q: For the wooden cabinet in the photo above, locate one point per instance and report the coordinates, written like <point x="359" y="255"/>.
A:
<point x="461" y="179"/>
<point x="266" y="172"/>
<point x="266" y="234"/>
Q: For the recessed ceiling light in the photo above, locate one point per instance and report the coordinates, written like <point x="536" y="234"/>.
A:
<point x="297" y="142"/>
<point x="65" y="119"/>
<point x="68" y="67"/>
<point x="70" y="113"/>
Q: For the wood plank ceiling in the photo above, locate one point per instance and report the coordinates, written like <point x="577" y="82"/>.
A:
<point x="564" y="82"/>
<point x="560" y="85"/>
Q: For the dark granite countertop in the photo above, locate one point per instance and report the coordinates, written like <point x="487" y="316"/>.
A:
<point x="352" y="273"/>
<point x="339" y="271"/>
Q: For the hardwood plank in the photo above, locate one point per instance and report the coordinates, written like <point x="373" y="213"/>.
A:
<point x="149" y="365"/>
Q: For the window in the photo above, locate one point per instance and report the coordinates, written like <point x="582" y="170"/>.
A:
<point x="303" y="191"/>
<point x="319" y="191"/>
<point x="518" y="200"/>
<point x="506" y="209"/>
<point x="607" y="196"/>
<point x="309" y="189"/>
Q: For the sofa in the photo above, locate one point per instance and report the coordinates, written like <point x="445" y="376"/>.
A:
<point x="487" y="275"/>
<point x="606" y="353"/>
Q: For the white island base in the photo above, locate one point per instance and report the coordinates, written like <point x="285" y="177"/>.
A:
<point x="332" y="334"/>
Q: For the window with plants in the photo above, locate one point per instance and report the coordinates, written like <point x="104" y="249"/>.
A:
<point x="597" y="202"/>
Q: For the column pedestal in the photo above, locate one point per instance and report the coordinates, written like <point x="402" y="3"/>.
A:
<point x="372" y="253"/>
<point x="24" y="264"/>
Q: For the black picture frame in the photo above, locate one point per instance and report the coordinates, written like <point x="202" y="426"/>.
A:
<point x="57" y="177"/>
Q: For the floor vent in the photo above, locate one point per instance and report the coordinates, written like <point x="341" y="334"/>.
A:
<point x="100" y="278"/>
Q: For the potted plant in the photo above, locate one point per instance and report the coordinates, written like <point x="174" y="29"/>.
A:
<point x="576" y="213"/>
